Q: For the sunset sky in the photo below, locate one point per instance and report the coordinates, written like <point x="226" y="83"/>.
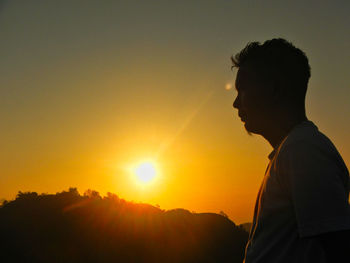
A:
<point x="90" y="89"/>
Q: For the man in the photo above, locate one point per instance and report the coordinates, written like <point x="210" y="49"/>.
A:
<point x="302" y="212"/>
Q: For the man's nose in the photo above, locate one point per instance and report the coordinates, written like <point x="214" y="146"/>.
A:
<point x="236" y="103"/>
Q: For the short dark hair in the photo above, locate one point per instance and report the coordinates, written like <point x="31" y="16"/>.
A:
<point x="277" y="59"/>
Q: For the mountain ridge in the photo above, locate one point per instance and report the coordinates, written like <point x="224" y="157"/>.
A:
<point x="69" y="227"/>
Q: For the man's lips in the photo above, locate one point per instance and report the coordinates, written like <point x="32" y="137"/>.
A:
<point x="241" y="116"/>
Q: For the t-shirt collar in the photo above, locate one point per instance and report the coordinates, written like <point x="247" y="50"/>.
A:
<point x="306" y="122"/>
<point x="272" y="154"/>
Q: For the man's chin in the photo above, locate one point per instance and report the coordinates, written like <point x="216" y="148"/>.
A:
<point x="250" y="130"/>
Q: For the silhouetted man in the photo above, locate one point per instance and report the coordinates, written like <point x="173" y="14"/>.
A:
<point x="302" y="213"/>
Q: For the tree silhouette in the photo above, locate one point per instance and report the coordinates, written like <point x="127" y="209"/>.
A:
<point x="69" y="227"/>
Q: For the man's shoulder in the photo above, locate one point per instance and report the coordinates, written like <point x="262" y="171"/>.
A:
<point x="306" y="141"/>
<point x="306" y="136"/>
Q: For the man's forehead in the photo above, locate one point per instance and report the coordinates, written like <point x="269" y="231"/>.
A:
<point x="246" y="72"/>
<point x="243" y="76"/>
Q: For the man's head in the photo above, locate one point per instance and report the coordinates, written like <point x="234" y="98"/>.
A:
<point x="272" y="80"/>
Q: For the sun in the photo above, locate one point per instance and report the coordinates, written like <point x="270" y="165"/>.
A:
<point x="145" y="173"/>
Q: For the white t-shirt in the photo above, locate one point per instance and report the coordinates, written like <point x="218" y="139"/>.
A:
<point x="304" y="193"/>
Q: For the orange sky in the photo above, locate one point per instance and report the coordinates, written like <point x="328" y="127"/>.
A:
<point x="88" y="89"/>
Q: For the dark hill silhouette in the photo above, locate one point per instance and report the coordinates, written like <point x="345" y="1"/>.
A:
<point x="68" y="227"/>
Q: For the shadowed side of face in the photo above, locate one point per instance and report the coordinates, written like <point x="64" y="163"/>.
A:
<point x="253" y="101"/>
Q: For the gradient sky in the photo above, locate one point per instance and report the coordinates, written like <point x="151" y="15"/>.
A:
<point x="89" y="88"/>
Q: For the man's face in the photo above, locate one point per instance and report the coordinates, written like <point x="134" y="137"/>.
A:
<point x="254" y="102"/>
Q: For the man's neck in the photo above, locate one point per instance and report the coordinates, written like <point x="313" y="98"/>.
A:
<point x="280" y="129"/>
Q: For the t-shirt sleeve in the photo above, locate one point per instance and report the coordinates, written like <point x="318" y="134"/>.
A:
<point x="315" y="180"/>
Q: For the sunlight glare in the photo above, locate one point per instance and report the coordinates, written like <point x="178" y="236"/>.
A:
<point x="145" y="172"/>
